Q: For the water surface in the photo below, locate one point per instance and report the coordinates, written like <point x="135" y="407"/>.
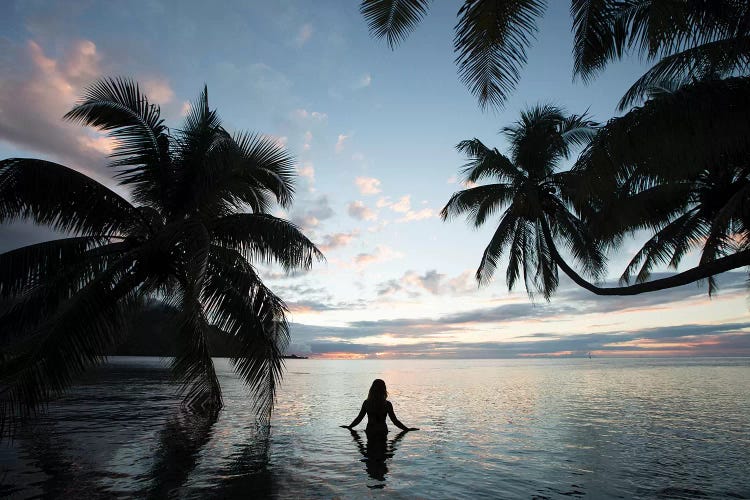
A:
<point x="597" y="428"/>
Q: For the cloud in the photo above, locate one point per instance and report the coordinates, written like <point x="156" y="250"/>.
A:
<point x="368" y="185"/>
<point x="158" y="90"/>
<point x="308" y="214"/>
<point x="425" y="213"/>
<point x="337" y="240"/>
<point x="382" y="253"/>
<point x="307" y="170"/>
<point x="340" y="142"/>
<point x="310" y="115"/>
<point x="37" y="90"/>
<point x="304" y="34"/>
<point x="358" y="210"/>
<point x="731" y="339"/>
<point x="364" y="81"/>
<point x="402" y="205"/>
<point x="431" y="281"/>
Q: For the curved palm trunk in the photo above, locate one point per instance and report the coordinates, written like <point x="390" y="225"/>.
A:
<point x="697" y="273"/>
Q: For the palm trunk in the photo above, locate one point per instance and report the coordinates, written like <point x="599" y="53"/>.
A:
<point x="734" y="261"/>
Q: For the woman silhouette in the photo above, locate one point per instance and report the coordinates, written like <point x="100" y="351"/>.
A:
<point x="376" y="407"/>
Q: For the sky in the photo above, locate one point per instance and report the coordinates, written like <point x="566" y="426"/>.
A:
<point x="374" y="133"/>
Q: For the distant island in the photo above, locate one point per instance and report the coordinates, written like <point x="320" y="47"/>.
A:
<point x="151" y="333"/>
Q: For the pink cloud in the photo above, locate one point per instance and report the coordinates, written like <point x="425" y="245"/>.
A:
<point x="358" y="210"/>
<point x="367" y="185"/>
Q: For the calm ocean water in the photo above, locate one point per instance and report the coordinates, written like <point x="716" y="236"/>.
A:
<point x="635" y="428"/>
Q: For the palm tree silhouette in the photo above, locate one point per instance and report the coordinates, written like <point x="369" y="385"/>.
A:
<point x="687" y="181"/>
<point x="614" y="190"/>
<point x="535" y="196"/>
<point x="183" y="239"/>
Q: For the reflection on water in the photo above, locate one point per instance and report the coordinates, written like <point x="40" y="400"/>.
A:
<point x="375" y="452"/>
<point x="490" y="428"/>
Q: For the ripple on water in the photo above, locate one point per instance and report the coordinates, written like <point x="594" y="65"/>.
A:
<point x="490" y="428"/>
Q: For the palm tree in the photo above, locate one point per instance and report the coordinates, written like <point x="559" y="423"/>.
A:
<point x="586" y="211"/>
<point x="184" y="239"/>
<point x="677" y="167"/>
<point x="691" y="38"/>
<point x="535" y="197"/>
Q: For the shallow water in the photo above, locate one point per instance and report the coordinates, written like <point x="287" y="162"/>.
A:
<point x="597" y="428"/>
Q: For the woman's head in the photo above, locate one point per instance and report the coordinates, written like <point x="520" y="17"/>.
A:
<point x="378" y="391"/>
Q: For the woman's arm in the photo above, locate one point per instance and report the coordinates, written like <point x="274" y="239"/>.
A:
<point x="396" y="421"/>
<point x="359" y="418"/>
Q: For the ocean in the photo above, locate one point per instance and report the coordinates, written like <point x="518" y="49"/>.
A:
<point x="522" y="428"/>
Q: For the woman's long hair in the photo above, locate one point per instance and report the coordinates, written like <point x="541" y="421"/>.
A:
<point x="378" y="393"/>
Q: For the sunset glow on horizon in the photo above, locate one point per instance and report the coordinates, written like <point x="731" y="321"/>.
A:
<point x="374" y="134"/>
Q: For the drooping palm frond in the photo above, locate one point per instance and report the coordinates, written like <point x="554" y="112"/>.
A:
<point x="710" y="116"/>
<point x="491" y="40"/>
<point x="73" y="338"/>
<point x="57" y="196"/>
<point x="485" y="162"/>
<point x="267" y="238"/>
<point x="668" y="245"/>
<point x="576" y="236"/>
<point x="606" y="30"/>
<point x="494" y="250"/>
<point x="709" y="61"/>
<point x="265" y="167"/>
<point x="546" y="278"/>
<point x="393" y="19"/>
<point x="141" y="145"/>
<point x="32" y="265"/>
<point x="244" y="308"/>
<point x="599" y="36"/>
<point x="478" y="202"/>
<point x="192" y="364"/>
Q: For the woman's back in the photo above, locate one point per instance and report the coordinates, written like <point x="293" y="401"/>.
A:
<point x="376" y="407"/>
<point x="376" y="413"/>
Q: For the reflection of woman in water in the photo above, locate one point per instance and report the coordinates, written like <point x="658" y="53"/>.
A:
<point x="375" y="453"/>
<point x="376" y="407"/>
<point x="377" y="450"/>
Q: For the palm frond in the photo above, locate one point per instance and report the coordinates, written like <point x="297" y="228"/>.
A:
<point x="485" y="163"/>
<point x="264" y="167"/>
<point x="393" y="19"/>
<point x="478" y="202"/>
<point x="599" y="36"/>
<point x="267" y="238"/>
<point x="141" y="143"/>
<point x="75" y="337"/>
<point x="494" y="250"/>
<point x="243" y="307"/>
<point x="32" y="265"/>
<point x="710" y="116"/>
<point x="546" y="278"/>
<point x="192" y="364"/>
<point x="516" y="254"/>
<point x="578" y="238"/>
<point x="669" y="244"/>
<point x="711" y="60"/>
<point x="491" y="39"/>
<point x="57" y="196"/>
